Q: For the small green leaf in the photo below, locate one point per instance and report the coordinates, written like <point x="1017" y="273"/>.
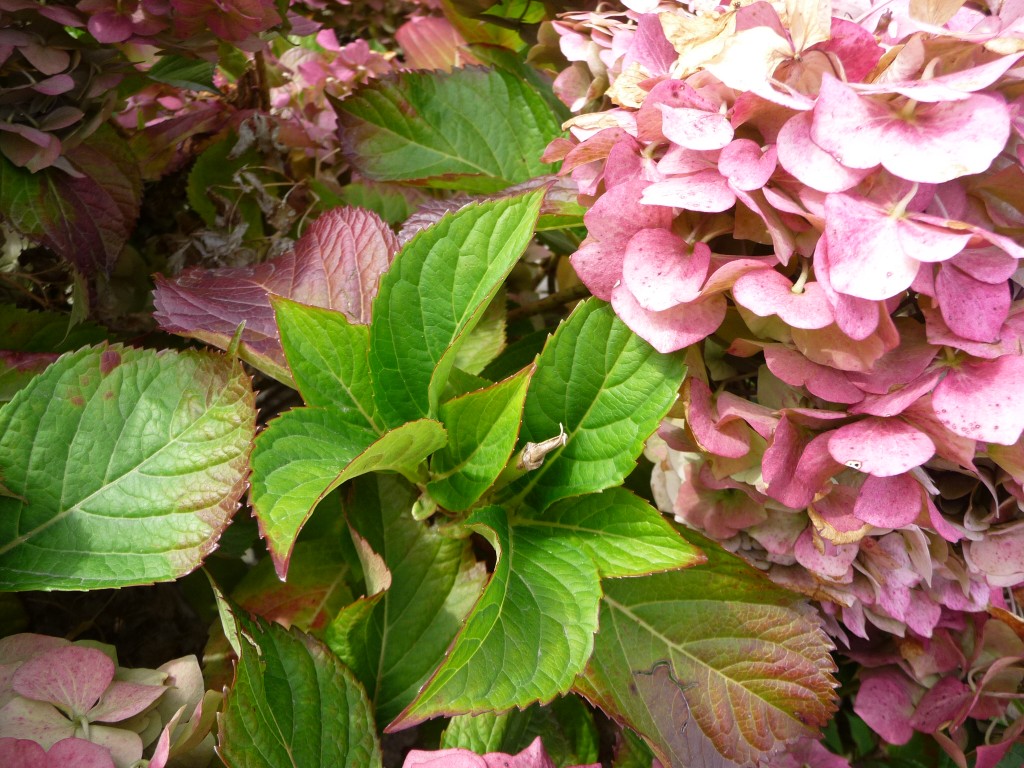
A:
<point x="213" y="178"/>
<point x="486" y="341"/>
<point x="306" y="453"/>
<point x="473" y="129"/>
<point x="482" y="429"/>
<point x="394" y="639"/>
<point x="708" y="660"/>
<point x="327" y="357"/>
<point x="391" y="202"/>
<point x="434" y="294"/>
<point x="623" y="534"/>
<point x="132" y="462"/>
<point x="190" y="74"/>
<point x="293" y="704"/>
<point x="609" y="389"/>
<point x="566" y="727"/>
<point x="528" y="636"/>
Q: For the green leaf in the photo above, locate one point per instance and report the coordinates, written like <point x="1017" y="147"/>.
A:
<point x="624" y="535"/>
<point x="327" y="357"/>
<point x="306" y="453"/>
<point x="49" y="332"/>
<point x="393" y="203"/>
<point x="609" y="389"/>
<point x="394" y="639"/>
<point x="528" y="636"/>
<point x="212" y="178"/>
<point x="482" y="429"/>
<point x="293" y="704"/>
<point x="181" y="72"/>
<point x="473" y="129"/>
<point x="317" y="587"/>
<point x="566" y="727"/>
<point x="434" y="294"/>
<point x="132" y="462"/>
<point x="486" y="341"/>
<point x="512" y="62"/>
<point x="713" y="659"/>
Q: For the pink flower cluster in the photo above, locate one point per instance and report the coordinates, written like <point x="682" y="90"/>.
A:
<point x="825" y="206"/>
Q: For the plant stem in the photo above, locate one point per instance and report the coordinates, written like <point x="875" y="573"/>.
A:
<point x="555" y="300"/>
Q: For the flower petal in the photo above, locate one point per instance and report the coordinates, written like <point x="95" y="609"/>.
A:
<point x="72" y="678"/>
<point x="880" y="447"/>
<point x="889" y="502"/>
<point x="674" y="328"/>
<point x="983" y="400"/>
<point x="661" y="270"/>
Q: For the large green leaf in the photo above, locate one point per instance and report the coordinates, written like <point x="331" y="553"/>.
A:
<point x="327" y="357"/>
<point x="435" y="292"/>
<point x="306" y="453"/>
<point x="566" y="727"/>
<point x="528" y="636"/>
<point x="608" y="389"/>
<point x="710" y="660"/>
<point x="482" y="429"/>
<point x="623" y="534"/>
<point x="394" y="639"/>
<point x="127" y="465"/>
<point x="477" y="130"/>
<point x="293" y="704"/>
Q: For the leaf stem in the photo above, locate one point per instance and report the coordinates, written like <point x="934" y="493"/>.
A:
<point x="555" y="300"/>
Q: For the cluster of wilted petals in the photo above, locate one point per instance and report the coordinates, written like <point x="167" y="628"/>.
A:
<point x="825" y="208"/>
<point x="54" y="90"/>
<point x="312" y="75"/>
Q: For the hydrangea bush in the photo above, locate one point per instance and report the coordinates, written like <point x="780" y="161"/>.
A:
<point x="821" y="203"/>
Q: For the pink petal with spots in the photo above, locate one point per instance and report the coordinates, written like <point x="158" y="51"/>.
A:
<point x="949" y="445"/>
<point x="983" y="400"/>
<point x="73" y="678"/>
<point x="971" y="308"/>
<point x="873" y="255"/>
<point x="938" y="142"/>
<point x="796" y="370"/>
<point x="679" y="161"/>
<point x="854" y="46"/>
<point x="667" y="93"/>
<point x="889" y="502"/>
<point x="835" y="511"/>
<point x="881" y="447"/>
<point x="795" y="469"/>
<point x="695" y="128"/>
<point x="833" y="562"/>
<point x="598" y="265"/>
<point x="989" y="265"/>
<point x="79" y="753"/>
<point x="746" y="167"/>
<point x="110" y="27"/>
<point x="649" y="47"/>
<point x="946" y="701"/>
<point x="811" y="164"/>
<point x="731" y="440"/>
<point x="767" y="292"/>
<point x="617" y="214"/>
<point x="857" y="318"/>
<point x="885" y="702"/>
<point x="661" y="270"/>
<point x="122" y="700"/>
<point x="952" y="87"/>
<point x="760" y="418"/>
<point x="674" y="328"/>
<point x="1000" y="556"/>
<point x="705" y="191"/>
<point x="901" y="365"/>
<point x="895" y="403"/>
<point x="36" y="720"/>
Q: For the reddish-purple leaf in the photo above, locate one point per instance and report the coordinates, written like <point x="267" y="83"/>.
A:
<point x="86" y="219"/>
<point x="431" y="42"/>
<point x="336" y="264"/>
